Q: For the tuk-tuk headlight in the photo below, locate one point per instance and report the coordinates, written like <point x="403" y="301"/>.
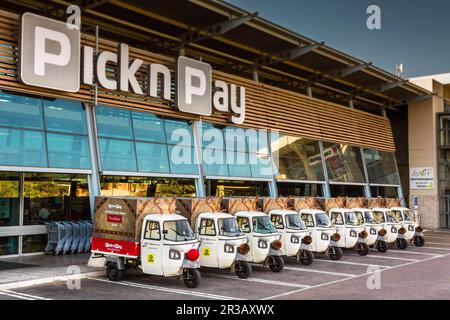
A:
<point x="324" y="236"/>
<point x="394" y="230"/>
<point x="411" y="228"/>
<point x="174" y="254"/>
<point x="373" y="231"/>
<point x="229" y="248"/>
<point x="262" y="244"/>
<point x="353" y="233"/>
<point x="295" y="239"/>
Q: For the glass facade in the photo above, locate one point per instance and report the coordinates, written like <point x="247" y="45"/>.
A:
<point x="9" y="246"/>
<point x="344" y="163"/>
<point x="238" y="188"/>
<point x="346" y="190"/>
<point x="36" y="132"/>
<point x="286" y="189"/>
<point x="381" y="167"/>
<point x="9" y="199"/>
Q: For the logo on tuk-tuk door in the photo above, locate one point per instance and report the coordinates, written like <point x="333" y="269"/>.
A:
<point x="206" y="252"/>
<point x="151" y="258"/>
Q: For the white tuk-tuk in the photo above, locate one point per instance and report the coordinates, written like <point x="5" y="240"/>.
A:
<point x="222" y="243"/>
<point x="323" y="233"/>
<point x="411" y="225"/>
<point x="263" y="238"/>
<point x="391" y="225"/>
<point x="376" y="234"/>
<point x="295" y="238"/>
<point x="350" y="226"/>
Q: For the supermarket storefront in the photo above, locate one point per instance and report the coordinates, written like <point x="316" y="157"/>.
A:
<point x="59" y="147"/>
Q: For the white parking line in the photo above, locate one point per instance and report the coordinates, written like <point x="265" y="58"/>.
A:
<point x="385" y="257"/>
<point x="353" y="263"/>
<point x="437" y="248"/>
<point x="26" y="295"/>
<point x="439" y="243"/>
<point x="15" y="296"/>
<point x="258" y="280"/>
<point x="342" y="280"/>
<point x="411" y="252"/>
<point x="171" y="290"/>
<point x="436" y="237"/>
<point x="320" y="271"/>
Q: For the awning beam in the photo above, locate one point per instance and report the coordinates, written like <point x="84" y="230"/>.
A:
<point x="270" y="59"/>
<point x="338" y="74"/>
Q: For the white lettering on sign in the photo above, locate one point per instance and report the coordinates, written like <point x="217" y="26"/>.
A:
<point x="50" y="58"/>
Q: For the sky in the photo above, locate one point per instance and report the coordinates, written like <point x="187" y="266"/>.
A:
<point x="413" y="32"/>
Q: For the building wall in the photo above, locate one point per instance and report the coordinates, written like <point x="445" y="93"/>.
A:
<point x="423" y="151"/>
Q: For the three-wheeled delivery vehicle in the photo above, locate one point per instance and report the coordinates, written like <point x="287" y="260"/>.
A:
<point x="144" y="234"/>
<point x="376" y="234"/>
<point x="223" y="245"/>
<point x="411" y="225"/>
<point x="321" y="230"/>
<point x="263" y="238"/>
<point x="295" y="238"/>
<point x="391" y="225"/>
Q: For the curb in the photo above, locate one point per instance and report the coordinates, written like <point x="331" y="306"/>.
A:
<point x="33" y="282"/>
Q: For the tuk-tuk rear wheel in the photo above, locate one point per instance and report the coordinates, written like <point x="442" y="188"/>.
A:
<point x="113" y="273"/>
<point x="276" y="263"/>
<point x="382" y="246"/>
<point x="419" y="241"/>
<point x="305" y="257"/>
<point x="363" y="249"/>
<point x="242" y="269"/>
<point x="401" y="243"/>
<point x="335" y="253"/>
<point x="191" y="278"/>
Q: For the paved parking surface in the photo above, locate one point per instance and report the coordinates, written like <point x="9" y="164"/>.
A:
<point x="414" y="273"/>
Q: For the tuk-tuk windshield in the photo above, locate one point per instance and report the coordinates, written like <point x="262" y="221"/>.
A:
<point x="228" y="227"/>
<point x="308" y="220"/>
<point x="368" y="217"/>
<point x="293" y="221"/>
<point x="262" y="224"/>
<point x="390" y="217"/>
<point x="408" y="215"/>
<point x="397" y="215"/>
<point x="378" y="216"/>
<point x="178" y="230"/>
<point x="322" y="220"/>
<point x="359" y="218"/>
<point x="351" y="219"/>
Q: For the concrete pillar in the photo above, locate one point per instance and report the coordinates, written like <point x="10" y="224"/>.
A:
<point x="423" y="150"/>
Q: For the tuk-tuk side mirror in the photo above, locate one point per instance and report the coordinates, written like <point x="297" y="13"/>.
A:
<point x="165" y="232"/>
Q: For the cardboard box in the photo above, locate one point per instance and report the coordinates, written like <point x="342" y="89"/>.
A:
<point x="268" y="204"/>
<point x="192" y="207"/>
<point x="298" y="203"/>
<point x="236" y="204"/>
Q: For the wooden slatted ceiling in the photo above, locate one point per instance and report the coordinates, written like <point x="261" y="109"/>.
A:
<point x="267" y="107"/>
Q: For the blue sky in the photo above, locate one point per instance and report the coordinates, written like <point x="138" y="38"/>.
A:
<point x="412" y="32"/>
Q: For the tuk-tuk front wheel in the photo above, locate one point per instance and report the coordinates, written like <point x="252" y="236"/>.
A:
<point x="363" y="249"/>
<point x="335" y="253"/>
<point x="419" y="241"/>
<point x="242" y="269"/>
<point x="276" y="263"/>
<point x="113" y="273"/>
<point x="382" y="246"/>
<point x="305" y="257"/>
<point x="401" y="243"/>
<point x="191" y="278"/>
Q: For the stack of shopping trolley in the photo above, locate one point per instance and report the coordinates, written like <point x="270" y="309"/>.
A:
<point x="68" y="237"/>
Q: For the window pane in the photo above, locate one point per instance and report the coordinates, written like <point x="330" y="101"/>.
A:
<point x="65" y="151"/>
<point x="381" y="167"/>
<point x="214" y="162"/>
<point x="50" y="197"/>
<point x="152" y="157"/>
<point x="9" y="199"/>
<point x="286" y="189"/>
<point x="113" y="122"/>
<point x="238" y="164"/>
<point x="22" y="148"/>
<point x="296" y="158"/>
<point x="146" y="187"/>
<point x="385" y="192"/>
<point x="148" y="127"/>
<point x="117" y="155"/>
<point x="34" y="243"/>
<point x="337" y="190"/>
<point x="230" y="188"/>
<point x="65" y="116"/>
<point x="182" y="160"/>
<point x="344" y="162"/>
<point x="179" y="132"/>
<point x="20" y="111"/>
<point x="8" y="245"/>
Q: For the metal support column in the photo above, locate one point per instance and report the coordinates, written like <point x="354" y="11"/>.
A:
<point x="367" y="191"/>
<point x="199" y="181"/>
<point x="326" y="185"/>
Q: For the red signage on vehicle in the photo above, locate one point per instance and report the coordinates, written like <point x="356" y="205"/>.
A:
<point x="126" y="248"/>
<point x="114" y="218"/>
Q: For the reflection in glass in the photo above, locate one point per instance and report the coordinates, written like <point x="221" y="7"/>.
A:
<point x="146" y="187"/>
<point x="22" y="148"/>
<point x="341" y="190"/>
<point x="344" y="162"/>
<point x="9" y="198"/>
<point x="230" y="188"/>
<point x="286" y="189"/>
<point x="34" y="243"/>
<point x="67" y="151"/>
<point x="9" y="245"/>
<point x="381" y="167"/>
<point x="65" y="116"/>
<point x="148" y="127"/>
<point x="152" y="157"/>
<point x="20" y="111"/>
<point x="385" y="192"/>
<point x="113" y="122"/>
<point x="117" y="155"/>
<point x="49" y="197"/>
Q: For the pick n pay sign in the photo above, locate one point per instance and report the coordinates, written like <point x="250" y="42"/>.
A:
<point x="51" y="56"/>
